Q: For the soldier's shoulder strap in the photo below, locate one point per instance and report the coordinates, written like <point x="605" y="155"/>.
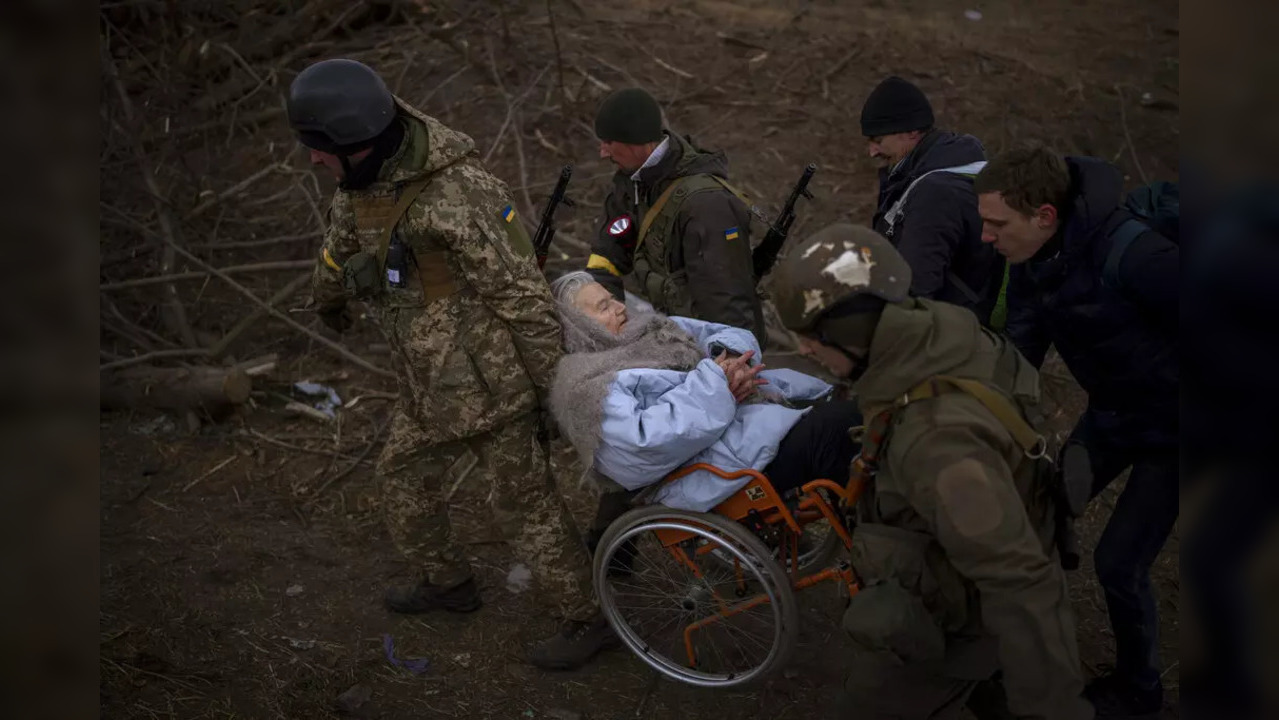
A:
<point x="1005" y="410"/>
<point x="432" y="266"/>
<point x="679" y="189"/>
<point x="407" y="196"/>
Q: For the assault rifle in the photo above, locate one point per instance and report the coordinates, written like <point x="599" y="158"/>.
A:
<point x="766" y="252"/>
<point x="546" y="229"/>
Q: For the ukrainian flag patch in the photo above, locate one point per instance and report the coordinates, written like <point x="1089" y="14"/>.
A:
<point x="730" y="234"/>
<point x="508" y="213"/>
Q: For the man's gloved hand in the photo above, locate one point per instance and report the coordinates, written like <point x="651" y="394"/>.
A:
<point x="1076" y="477"/>
<point x="338" y="319"/>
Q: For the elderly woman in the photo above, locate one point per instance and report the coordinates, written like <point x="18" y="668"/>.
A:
<point x="640" y="395"/>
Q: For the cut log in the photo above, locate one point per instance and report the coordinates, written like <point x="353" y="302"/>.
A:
<point x="211" y="389"/>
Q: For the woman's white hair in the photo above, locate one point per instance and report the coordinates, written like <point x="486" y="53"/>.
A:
<point x="566" y="287"/>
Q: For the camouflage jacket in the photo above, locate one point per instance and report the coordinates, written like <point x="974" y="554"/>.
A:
<point x="482" y="350"/>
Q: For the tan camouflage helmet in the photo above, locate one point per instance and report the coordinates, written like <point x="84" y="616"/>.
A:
<point x="837" y="263"/>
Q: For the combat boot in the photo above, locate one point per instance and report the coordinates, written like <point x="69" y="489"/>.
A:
<point x="462" y="597"/>
<point x="574" y="645"/>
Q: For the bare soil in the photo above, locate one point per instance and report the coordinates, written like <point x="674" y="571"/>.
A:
<point x="242" y="571"/>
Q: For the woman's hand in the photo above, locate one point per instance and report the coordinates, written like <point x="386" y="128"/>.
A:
<point x="742" y="378"/>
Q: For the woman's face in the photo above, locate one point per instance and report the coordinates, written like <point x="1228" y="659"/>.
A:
<point x="599" y="305"/>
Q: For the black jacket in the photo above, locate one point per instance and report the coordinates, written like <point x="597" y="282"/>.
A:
<point x="939" y="233"/>
<point x="1119" y="342"/>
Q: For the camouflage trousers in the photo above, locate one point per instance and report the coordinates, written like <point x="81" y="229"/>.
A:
<point x="496" y="483"/>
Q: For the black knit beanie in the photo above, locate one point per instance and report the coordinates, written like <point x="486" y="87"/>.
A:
<point x="630" y="116"/>
<point x="894" y="106"/>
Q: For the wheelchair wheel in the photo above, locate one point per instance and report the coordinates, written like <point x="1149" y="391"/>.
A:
<point x="686" y="613"/>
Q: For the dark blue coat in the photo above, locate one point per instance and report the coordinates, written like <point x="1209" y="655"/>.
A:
<point x="940" y="233"/>
<point x="1119" y="342"/>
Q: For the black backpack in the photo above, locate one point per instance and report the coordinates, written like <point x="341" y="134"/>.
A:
<point x="1157" y="207"/>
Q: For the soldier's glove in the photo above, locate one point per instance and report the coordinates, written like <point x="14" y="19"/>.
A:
<point x="1076" y="477"/>
<point x="338" y="319"/>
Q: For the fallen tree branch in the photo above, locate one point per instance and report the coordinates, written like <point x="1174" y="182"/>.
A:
<point x="242" y="244"/>
<point x="200" y="274"/>
<point x="221" y="346"/>
<point x="232" y="191"/>
<point x="338" y="348"/>
<point x="347" y="470"/>
<point x="155" y="355"/>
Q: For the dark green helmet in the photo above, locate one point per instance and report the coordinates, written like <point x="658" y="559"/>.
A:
<point x="835" y="266"/>
<point x="339" y="106"/>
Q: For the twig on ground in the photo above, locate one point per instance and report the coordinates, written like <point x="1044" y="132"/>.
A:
<point x="443" y="82"/>
<point x="347" y="470"/>
<point x="291" y="446"/>
<point x="559" y="57"/>
<point x="232" y="191"/>
<point x="155" y="355"/>
<point x="244" y="244"/>
<point x="340" y="349"/>
<point x="209" y="473"/>
<point x="200" y="274"/>
<point x="221" y="346"/>
<point x="1132" y="149"/>
<point x="662" y="63"/>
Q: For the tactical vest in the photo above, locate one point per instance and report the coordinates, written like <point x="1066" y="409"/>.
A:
<point x="376" y="216"/>
<point x="667" y="287"/>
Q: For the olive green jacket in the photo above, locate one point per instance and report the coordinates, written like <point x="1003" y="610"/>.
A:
<point x="697" y="265"/>
<point x="961" y="518"/>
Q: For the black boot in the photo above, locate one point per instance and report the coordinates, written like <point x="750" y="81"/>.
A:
<point x="574" y="645"/>
<point x="463" y="597"/>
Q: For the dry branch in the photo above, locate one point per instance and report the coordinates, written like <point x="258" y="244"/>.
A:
<point x="340" y="349"/>
<point x="233" y="190"/>
<point x="176" y="316"/>
<point x="221" y="346"/>
<point x="200" y="274"/>
<point x="155" y="355"/>
<point x="212" y="389"/>
<point x="347" y="470"/>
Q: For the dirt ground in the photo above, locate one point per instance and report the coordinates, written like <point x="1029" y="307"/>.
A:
<point x="243" y="564"/>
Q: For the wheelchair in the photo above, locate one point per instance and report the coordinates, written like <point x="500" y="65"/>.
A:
<point x="708" y="599"/>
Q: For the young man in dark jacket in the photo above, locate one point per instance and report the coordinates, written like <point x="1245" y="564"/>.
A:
<point x="1056" y="221"/>
<point x="926" y="206"/>
<point x="672" y="220"/>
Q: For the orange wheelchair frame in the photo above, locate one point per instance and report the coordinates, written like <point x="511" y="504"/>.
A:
<point x="760" y="503"/>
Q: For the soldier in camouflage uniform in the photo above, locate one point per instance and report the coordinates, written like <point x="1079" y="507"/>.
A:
<point x="673" y="220"/>
<point x="954" y="547"/>
<point x="428" y="239"/>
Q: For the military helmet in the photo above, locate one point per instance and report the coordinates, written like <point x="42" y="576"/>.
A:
<point x="339" y="106"/>
<point x="836" y="266"/>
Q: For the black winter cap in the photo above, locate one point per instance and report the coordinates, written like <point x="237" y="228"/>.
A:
<point x="630" y="116"/>
<point x="894" y="106"/>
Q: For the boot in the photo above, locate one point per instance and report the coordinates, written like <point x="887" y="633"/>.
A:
<point x="463" y="597"/>
<point x="575" y="644"/>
